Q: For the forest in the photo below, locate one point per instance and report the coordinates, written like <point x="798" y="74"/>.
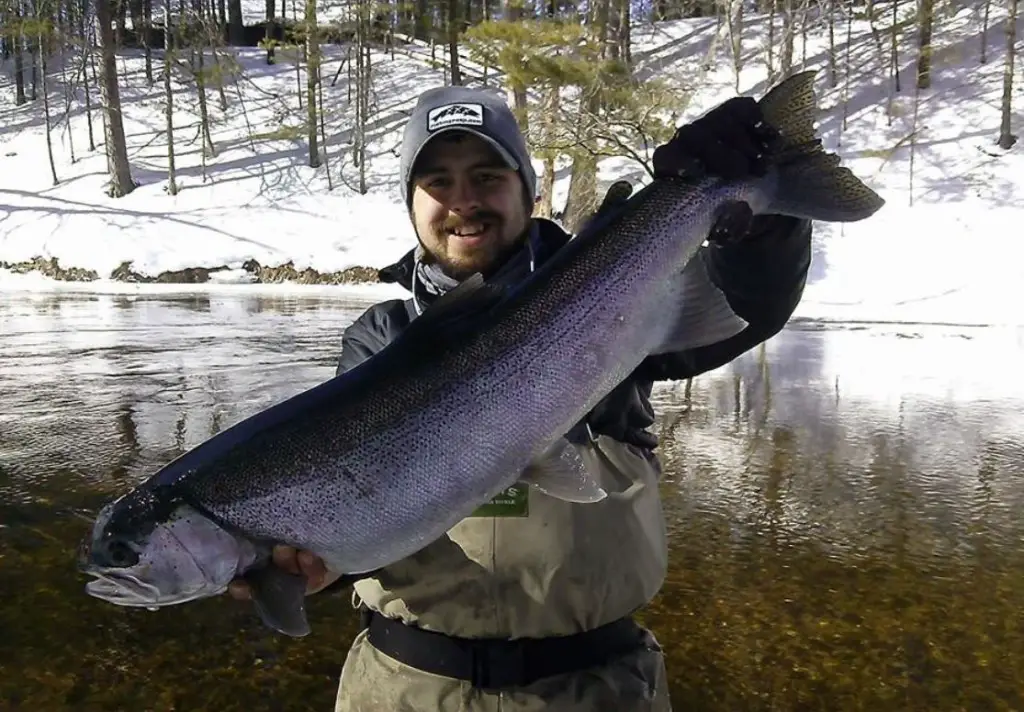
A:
<point x="567" y="68"/>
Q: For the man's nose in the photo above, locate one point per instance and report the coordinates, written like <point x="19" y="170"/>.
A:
<point x="465" y="198"/>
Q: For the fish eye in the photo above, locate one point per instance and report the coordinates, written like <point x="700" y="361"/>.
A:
<point x="120" y="554"/>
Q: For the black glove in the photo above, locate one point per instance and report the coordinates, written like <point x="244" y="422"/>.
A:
<point x="728" y="142"/>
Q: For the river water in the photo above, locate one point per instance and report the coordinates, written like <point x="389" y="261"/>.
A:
<point x="843" y="506"/>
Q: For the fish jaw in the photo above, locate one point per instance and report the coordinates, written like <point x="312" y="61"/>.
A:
<point x="129" y="591"/>
<point x="184" y="558"/>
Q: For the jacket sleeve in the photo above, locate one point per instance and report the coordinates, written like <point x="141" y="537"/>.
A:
<point x="763" y="279"/>
<point x="364" y="337"/>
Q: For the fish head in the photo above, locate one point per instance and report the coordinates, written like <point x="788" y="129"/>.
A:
<point x="149" y="549"/>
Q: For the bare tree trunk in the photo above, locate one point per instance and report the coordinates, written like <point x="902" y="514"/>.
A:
<point x="804" y="12"/>
<point x="172" y="183"/>
<point x="69" y="87"/>
<point x="87" y="45"/>
<point x="356" y="81"/>
<point x="893" y="72"/>
<point x="362" y="73"/>
<point x="787" y="38"/>
<point x="913" y="144"/>
<point x="200" y="75"/>
<point x="215" y="36"/>
<point x="625" y="46"/>
<point x="33" y="68"/>
<point x="582" y="199"/>
<point x="547" y="189"/>
<point x="736" y="39"/>
<point x="613" y="32"/>
<point x="245" y="115"/>
<point x="453" y="41"/>
<point x="19" y="64"/>
<point x="236" y="31"/>
<point x="487" y="17"/>
<point x="833" y="75"/>
<point x="268" y="36"/>
<point x="422" y="21"/>
<point x="869" y="10"/>
<point x="350" y="74"/>
<point x="846" y="82"/>
<point x="516" y="88"/>
<point x="147" y="26"/>
<point x="323" y="128"/>
<point x="118" y="168"/>
<point x="298" y="68"/>
<point x="1006" y="138"/>
<point x="367" y="87"/>
<point x="93" y="45"/>
<point x="602" y="13"/>
<point x="120" y="14"/>
<point x="926" y="11"/>
<point x="312" y="72"/>
<point x="41" y="48"/>
<point x="984" y="34"/>
<point x="894" y="46"/>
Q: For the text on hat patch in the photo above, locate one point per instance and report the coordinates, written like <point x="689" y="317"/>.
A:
<point x="455" y="115"/>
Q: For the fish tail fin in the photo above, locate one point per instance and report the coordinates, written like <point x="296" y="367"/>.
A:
<point x="811" y="183"/>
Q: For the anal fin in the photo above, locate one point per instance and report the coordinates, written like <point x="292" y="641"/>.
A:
<point x="703" y="315"/>
<point x="560" y="472"/>
<point x="280" y="599"/>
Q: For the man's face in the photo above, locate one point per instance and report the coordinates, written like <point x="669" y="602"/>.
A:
<point x="468" y="207"/>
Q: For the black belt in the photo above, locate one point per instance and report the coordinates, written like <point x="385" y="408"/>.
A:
<point x="499" y="663"/>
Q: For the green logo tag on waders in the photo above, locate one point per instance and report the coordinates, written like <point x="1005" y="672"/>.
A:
<point x="511" y="502"/>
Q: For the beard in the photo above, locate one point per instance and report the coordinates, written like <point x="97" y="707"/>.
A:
<point x="485" y="258"/>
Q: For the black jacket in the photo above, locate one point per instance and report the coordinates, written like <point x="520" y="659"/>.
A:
<point x="762" y="278"/>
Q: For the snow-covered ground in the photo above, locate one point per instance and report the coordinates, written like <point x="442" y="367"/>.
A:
<point x="953" y="256"/>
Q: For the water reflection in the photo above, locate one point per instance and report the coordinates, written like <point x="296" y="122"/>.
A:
<point x="842" y="510"/>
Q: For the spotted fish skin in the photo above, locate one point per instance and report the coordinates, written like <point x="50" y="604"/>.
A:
<point x="477" y="394"/>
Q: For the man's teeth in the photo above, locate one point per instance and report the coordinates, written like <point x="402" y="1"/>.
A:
<point x="469" y="231"/>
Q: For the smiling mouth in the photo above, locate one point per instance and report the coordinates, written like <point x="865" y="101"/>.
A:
<point x="471" y="231"/>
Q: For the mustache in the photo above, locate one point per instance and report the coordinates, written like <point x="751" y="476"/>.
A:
<point x="454" y="222"/>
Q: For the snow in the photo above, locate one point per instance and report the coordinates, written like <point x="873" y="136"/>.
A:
<point x="942" y="250"/>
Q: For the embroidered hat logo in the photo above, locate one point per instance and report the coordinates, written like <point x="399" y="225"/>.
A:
<point x="455" y="115"/>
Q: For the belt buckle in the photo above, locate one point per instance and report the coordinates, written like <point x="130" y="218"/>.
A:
<point x="494" y="667"/>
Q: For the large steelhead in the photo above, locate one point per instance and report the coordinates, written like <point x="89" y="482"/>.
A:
<point x="477" y="394"/>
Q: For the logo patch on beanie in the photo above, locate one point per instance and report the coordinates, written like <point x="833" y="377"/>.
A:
<point x="455" y="115"/>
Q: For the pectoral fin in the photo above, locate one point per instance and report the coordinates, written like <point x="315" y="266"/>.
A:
<point x="560" y="472"/>
<point x="280" y="600"/>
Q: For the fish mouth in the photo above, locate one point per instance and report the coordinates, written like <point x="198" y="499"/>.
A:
<point x="123" y="589"/>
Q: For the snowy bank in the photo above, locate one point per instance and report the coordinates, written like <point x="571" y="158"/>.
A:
<point x="943" y="249"/>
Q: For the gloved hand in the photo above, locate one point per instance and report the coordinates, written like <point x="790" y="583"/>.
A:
<point x="729" y="142"/>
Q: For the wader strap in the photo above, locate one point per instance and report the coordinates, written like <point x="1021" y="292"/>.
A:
<point x="499" y="663"/>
